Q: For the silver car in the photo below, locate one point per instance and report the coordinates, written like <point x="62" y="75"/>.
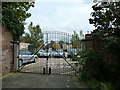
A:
<point x="57" y="53"/>
<point x="44" y="53"/>
<point x="25" y="56"/>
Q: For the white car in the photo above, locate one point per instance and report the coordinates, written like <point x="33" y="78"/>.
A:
<point x="57" y="53"/>
<point x="44" y="53"/>
<point x="25" y="56"/>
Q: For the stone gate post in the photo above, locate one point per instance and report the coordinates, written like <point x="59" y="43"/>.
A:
<point x="16" y="55"/>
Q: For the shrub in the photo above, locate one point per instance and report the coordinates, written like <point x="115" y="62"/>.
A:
<point x="96" y="85"/>
<point x="92" y="65"/>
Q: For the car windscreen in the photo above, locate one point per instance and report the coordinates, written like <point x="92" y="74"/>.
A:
<point x="72" y="51"/>
<point x="61" y="51"/>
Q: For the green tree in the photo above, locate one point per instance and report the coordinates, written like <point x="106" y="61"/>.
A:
<point x="35" y="37"/>
<point x="75" y="41"/>
<point x="14" y="15"/>
<point x="61" y="43"/>
<point x="106" y="19"/>
<point x="81" y="34"/>
<point x="56" y="46"/>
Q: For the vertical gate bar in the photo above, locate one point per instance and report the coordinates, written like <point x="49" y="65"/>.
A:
<point x="68" y="43"/>
<point x="75" y="44"/>
<point x="57" y="48"/>
<point x="65" y="52"/>
<point x="57" y="57"/>
<point x="61" y="49"/>
<point x="47" y="53"/>
<point x="66" y="49"/>
<point x="53" y="47"/>
<point x="55" y="51"/>
<point x="64" y="56"/>
<point x="50" y="53"/>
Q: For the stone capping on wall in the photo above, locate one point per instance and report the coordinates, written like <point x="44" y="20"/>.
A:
<point x="86" y="40"/>
<point x="15" y="42"/>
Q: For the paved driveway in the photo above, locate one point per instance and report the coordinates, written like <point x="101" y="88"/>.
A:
<point x="25" y="80"/>
<point x="57" y="65"/>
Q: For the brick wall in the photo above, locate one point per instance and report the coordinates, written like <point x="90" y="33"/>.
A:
<point x="92" y="40"/>
<point x="87" y="42"/>
<point x="7" y="51"/>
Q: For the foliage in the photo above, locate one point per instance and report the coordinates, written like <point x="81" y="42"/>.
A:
<point x="92" y="65"/>
<point x="81" y="34"/>
<point x="61" y="43"/>
<point x="14" y="15"/>
<point x="96" y="85"/>
<point x="75" y="41"/>
<point x="38" y="54"/>
<point x="93" y="69"/>
<point x="56" y="46"/>
<point x="106" y="19"/>
<point x="35" y="37"/>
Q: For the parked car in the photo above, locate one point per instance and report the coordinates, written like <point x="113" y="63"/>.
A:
<point x="57" y="53"/>
<point x="25" y="56"/>
<point x="40" y="52"/>
<point x="44" y="53"/>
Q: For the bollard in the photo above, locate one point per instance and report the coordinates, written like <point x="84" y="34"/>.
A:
<point x="49" y="71"/>
<point x="43" y="70"/>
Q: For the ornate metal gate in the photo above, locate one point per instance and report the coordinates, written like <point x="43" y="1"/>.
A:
<point x="53" y="56"/>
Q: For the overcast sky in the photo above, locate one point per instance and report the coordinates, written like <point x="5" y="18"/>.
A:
<point x="61" y="15"/>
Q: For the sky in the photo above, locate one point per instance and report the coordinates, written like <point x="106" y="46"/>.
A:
<point x="61" y="15"/>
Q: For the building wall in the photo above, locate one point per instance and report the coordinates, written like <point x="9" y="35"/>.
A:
<point x="24" y="45"/>
<point x="7" y="51"/>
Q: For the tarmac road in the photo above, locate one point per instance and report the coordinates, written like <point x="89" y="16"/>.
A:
<point x="27" y="80"/>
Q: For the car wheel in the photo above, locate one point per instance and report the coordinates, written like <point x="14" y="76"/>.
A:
<point x="34" y="60"/>
<point x="20" y="62"/>
<point x="49" y="56"/>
